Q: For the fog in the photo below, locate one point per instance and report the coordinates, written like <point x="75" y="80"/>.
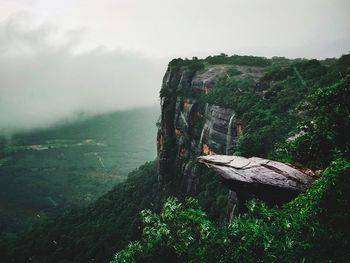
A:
<point x="42" y="82"/>
<point x="61" y="58"/>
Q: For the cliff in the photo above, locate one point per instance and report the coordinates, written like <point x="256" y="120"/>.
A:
<point x="189" y="126"/>
<point x="222" y="111"/>
<point x="208" y="106"/>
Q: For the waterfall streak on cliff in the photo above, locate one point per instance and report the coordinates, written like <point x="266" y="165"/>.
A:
<point x="205" y="127"/>
<point x="229" y="134"/>
<point x="202" y="136"/>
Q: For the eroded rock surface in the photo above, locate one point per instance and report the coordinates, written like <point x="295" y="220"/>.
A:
<point x="188" y="126"/>
<point x="256" y="170"/>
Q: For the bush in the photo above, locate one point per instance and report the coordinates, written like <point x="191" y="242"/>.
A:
<point x="239" y="60"/>
<point x="94" y="233"/>
<point x="311" y="228"/>
<point x="324" y="134"/>
<point x="304" y="94"/>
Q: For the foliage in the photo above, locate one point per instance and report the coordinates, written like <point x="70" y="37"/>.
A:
<point x="94" y="233"/>
<point x="272" y="115"/>
<point x="324" y="134"/>
<point x="184" y="228"/>
<point x="177" y="67"/>
<point x="48" y="171"/>
<point x="233" y="72"/>
<point x="192" y="65"/>
<point x="212" y="194"/>
<point x="197" y="64"/>
<point x="238" y="60"/>
<point x="271" y="110"/>
<point x="311" y="228"/>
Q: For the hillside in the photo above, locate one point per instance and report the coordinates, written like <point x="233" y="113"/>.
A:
<point x="44" y="173"/>
<point x="293" y="111"/>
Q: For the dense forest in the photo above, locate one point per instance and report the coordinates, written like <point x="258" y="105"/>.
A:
<point x="48" y="171"/>
<point x="298" y="113"/>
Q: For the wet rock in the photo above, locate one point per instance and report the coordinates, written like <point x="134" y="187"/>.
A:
<point x="189" y="127"/>
<point x="218" y="121"/>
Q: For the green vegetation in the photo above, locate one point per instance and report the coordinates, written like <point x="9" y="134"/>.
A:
<point x="44" y="173"/>
<point x="193" y="65"/>
<point x="94" y="233"/>
<point x="239" y="60"/>
<point x="304" y="94"/>
<point x="298" y="112"/>
<point x="91" y="234"/>
<point x="311" y="228"/>
<point x="324" y="132"/>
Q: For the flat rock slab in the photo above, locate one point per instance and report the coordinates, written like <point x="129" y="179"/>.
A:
<point x="259" y="171"/>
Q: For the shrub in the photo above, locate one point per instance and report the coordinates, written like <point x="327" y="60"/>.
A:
<point x="311" y="228"/>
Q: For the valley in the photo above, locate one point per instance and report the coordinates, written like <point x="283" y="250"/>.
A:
<point x="47" y="172"/>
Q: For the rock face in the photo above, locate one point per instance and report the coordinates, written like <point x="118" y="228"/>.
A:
<point x="190" y="128"/>
<point x="256" y="170"/>
<point x="187" y="125"/>
<point x="219" y="130"/>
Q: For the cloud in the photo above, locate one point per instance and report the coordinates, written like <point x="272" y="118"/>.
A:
<point x="44" y="78"/>
<point x="49" y="72"/>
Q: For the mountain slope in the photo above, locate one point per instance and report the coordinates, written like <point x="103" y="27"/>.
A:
<point x="46" y="172"/>
<point x="238" y="104"/>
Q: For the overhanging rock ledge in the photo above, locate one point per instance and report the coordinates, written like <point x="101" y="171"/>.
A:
<point x="260" y="171"/>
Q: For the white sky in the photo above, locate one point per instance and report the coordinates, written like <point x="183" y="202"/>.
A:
<point x="61" y="57"/>
<point x="167" y="28"/>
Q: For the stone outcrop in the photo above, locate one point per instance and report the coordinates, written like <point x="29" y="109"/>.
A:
<point x="270" y="181"/>
<point x="256" y="170"/>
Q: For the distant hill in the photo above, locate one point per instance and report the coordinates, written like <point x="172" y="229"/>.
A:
<point x="46" y="172"/>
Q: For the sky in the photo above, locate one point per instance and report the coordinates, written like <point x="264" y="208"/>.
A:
<point x="61" y="58"/>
